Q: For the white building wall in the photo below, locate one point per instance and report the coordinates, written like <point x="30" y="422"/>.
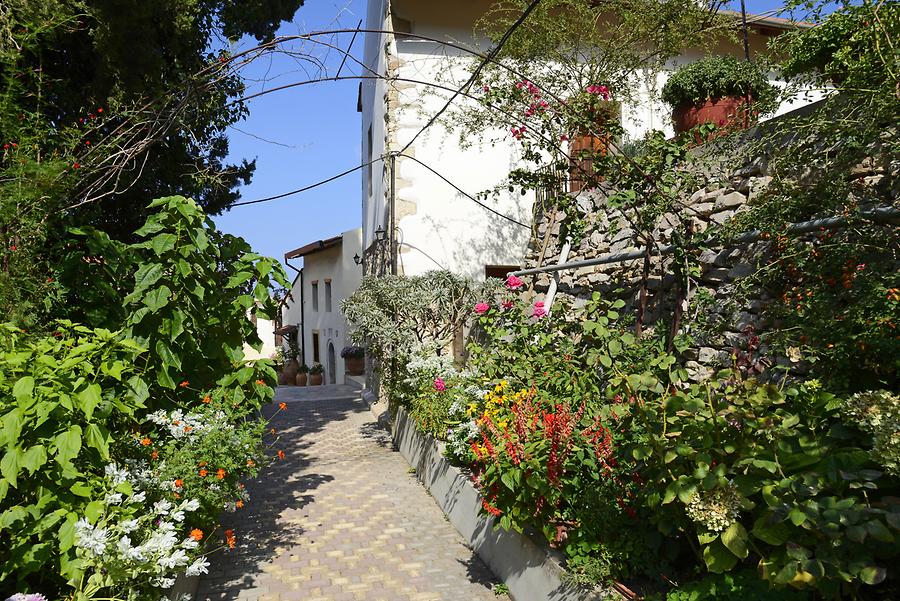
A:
<point x="334" y="263"/>
<point x="265" y="329"/>
<point x="439" y="228"/>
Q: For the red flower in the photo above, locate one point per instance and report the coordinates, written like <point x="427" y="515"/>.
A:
<point x="281" y="454"/>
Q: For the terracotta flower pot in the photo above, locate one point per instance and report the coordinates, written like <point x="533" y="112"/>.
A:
<point x="581" y="169"/>
<point x="356" y="366"/>
<point x="316" y="379"/>
<point x="301" y="378"/>
<point x="728" y="113"/>
<point x="290" y="370"/>
<point x="282" y="377"/>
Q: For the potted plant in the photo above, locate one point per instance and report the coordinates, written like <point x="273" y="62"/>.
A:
<point x="278" y="358"/>
<point x="316" y="377"/>
<point x="354" y="359"/>
<point x="291" y="365"/>
<point x="719" y="90"/>
<point x="593" y="116"/>
<point x="302" y="372"/>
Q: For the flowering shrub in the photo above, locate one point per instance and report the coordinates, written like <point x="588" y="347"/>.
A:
<point x="572" y="426"/>
<point x="123" y="446"/>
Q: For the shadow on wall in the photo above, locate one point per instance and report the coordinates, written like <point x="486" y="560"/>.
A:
<point x="467" y="252"/>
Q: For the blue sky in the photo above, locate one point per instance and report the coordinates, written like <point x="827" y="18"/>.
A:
<point x="305" y="134"/>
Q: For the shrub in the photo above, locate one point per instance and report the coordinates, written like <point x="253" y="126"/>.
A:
<point x="353" y="352"/>
<point x="316" y="369"/>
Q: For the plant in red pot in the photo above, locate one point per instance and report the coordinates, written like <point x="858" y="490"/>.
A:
<point x="354" y="359"/>
<point x="316" y="374"/>
<point x="719" y="90"/>
<point x="593" y="118"/>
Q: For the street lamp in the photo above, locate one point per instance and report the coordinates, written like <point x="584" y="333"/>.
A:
<point x="357" y="259"/>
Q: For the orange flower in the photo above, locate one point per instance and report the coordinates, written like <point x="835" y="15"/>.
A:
<point x="146" y="442"/>
<point x="282" y="405"/>
<point x="281" y="454"/>
<point x="188" y="428"/>
<point x="261" y="382"/>
<point x="184" y="384"/>
<point x="220" y="474"/>
<point x="272" y="431"/>
<point x="203" y="473"/>
<point x="207" y="399"/>
<point x="250" y="463"/>
<point x="230" y="538"/>
<point x="154" y="455"/>
<point x="197" y="534"/>
<point x="239" y="504"/>
<point x="179" y="483"/>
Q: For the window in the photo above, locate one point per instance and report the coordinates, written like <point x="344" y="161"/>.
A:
<point x="315" y="340"/>
<point x="315" y="295"/>
<point x="328" y="296"/>
<point x="499" y="271"/>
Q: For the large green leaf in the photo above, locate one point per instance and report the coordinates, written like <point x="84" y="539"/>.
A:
<point x="68" y="444"/>
<point x="10" y="466"/>
<point x="147" y="275"/>
<point x="23" y="391"/>
<point x="163" y="243"/>
<point x="98" y="438"/>
<point x="718" y="559"/>
<point x="88" y="399"/>
<point x="158" y="298"/>
<point x="735" y="539"/>
<point x="34" y="458"/>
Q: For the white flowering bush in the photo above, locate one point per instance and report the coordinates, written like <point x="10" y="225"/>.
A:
<point x="877" y="412"/>
<point x="127" y="548"/>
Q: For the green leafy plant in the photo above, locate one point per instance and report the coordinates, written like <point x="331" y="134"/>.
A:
<point x="719" y="77"/>
<point x="316" y="369"/>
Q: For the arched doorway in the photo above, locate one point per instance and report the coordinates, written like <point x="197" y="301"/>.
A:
<point x="332" y="364"/>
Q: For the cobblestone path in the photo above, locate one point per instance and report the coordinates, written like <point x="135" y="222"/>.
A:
<point x="341" y="518"/>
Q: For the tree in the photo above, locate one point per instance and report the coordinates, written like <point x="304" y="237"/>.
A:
<point x="106" y="67"/>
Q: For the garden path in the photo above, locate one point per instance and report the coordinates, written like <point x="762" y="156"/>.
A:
<point x="341" y="518"/>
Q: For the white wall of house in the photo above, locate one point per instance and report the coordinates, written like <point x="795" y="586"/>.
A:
<point x="437" y="226"/>
<point x="330" y="268"/>
<point x="265" y="329"/>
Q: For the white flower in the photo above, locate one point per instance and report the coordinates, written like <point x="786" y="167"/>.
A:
<point x="129" y="526"/>
<point x="113" y="498"/>
<point x="178" y="557"/>
<point x="164" y="583"/>
<point x="116" y="474"/>
<point x="139" y="497"/>
<point x="89" y="538"/>
<point x="200" y="566"/>
<point x="129" y="552"/>
<point x="178" y="516"/>
<point x="192" y="505"/>
<point x="189" y="543"/>
<point x="162" y="507"/>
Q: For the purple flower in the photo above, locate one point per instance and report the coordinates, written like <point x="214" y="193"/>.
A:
<point x="27" y="597"/>
<point x="482" y="308"/>
<point x="439" y="385"/>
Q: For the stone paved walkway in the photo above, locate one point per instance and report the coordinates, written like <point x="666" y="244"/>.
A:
<point x="341" y="518"/>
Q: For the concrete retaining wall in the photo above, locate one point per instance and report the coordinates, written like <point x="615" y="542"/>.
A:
<point x="530" y="570"/>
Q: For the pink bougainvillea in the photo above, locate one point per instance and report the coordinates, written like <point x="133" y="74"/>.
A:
<point x="439" y="385"/>
<point x="482" y="308"/>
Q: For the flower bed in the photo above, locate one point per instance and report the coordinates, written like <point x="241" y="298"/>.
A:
<point x="572" y="426"/>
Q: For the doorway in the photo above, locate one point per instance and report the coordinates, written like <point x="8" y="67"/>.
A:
<point x="332" y="364"/>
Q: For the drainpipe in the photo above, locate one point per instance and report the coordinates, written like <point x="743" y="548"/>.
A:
<point x="302" y="335"/>
<point x="393" y="237"/>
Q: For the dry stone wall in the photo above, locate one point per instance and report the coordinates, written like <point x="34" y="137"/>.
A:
<point x="723" y="309"/>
